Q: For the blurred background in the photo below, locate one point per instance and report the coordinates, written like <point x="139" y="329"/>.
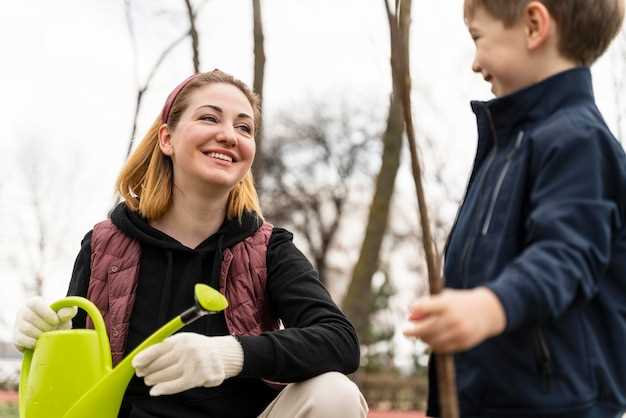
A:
<point x="82" y="80"/>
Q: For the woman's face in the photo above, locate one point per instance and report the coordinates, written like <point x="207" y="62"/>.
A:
<point x="213" y="143"/>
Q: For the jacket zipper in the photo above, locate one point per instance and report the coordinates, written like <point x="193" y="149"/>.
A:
<point x="494" y="197"/>
<point x="544" y="358"/>
<point x="470" y="243"/>
<point x="490" y="159"/>
<point x="496" y="191"/>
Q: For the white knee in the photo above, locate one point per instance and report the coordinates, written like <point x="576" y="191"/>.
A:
<point x="332" y="394"/>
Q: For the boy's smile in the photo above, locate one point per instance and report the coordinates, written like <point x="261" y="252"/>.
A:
<point x="501" y="53"/>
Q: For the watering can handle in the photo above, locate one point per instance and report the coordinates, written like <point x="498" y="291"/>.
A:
<point x="101" y="332"/>
<point x="98" y="323"/>
<point x="24" y="373"/>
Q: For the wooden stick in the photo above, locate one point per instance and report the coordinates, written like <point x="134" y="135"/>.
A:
<point x="445" y="363"/>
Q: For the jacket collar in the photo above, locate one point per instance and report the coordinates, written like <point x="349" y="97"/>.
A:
<point x="506" y="113"/>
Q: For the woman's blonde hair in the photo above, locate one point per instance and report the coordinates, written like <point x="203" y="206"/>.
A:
<point x="146" y="182"/>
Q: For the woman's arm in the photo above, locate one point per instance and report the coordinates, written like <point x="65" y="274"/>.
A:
<point x="79" y="283"/>
<point x="317" y="338"/>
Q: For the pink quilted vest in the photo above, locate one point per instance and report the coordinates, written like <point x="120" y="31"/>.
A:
<point x="115" y="272"/>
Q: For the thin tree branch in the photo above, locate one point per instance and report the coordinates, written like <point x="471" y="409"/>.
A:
<point x="445" y="364"/>
<point x="258" y="167"/>
<point x="388" y="10"/>
<point x="141" y="89"/>
<point x="193" y="32"/>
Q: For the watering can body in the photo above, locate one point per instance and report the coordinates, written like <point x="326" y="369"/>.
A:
<point x="69" y="373"/>
<point x="62" y="369"/>
<point x="64" y="365"/>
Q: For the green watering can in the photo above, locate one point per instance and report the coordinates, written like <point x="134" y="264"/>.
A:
<point x="69" y="373"/>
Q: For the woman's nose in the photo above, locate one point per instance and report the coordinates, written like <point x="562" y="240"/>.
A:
<point x="227" y="136"/>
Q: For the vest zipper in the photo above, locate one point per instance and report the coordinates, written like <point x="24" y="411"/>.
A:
<point x="496" y="191"/>
<point x="544" y="358"/>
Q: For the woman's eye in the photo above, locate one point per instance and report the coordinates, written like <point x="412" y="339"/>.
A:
<point x="210" y="118"/>
<point x="245" y="128"/>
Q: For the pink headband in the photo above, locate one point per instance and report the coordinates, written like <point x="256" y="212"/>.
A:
<point x="167" y="108"/>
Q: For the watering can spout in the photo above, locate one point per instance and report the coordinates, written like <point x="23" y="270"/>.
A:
<point x="104" y="397"/>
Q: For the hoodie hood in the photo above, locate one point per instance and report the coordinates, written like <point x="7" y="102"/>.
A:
<point x="137" y="227"/>
<point x="174" y="266"/>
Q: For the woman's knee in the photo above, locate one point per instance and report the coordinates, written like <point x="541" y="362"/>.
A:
<point x="333" y="394"/>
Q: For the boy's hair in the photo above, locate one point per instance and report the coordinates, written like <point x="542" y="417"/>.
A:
<point x="585" y="27"/>
<point x="146" y="182"/>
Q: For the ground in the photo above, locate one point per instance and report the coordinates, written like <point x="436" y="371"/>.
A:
<point x="8" y="409"/>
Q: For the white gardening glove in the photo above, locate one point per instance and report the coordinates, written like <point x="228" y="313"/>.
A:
<point x="188" y="360"/>
<point x="36" y="317"/>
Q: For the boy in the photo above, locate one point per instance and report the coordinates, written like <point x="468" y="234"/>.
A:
<point x="536" y="260"/>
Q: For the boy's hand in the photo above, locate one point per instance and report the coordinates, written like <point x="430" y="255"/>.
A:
<point x="456" y="320"/>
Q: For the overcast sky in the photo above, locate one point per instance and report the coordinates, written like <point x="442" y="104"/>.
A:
<point x="68" y="78"/>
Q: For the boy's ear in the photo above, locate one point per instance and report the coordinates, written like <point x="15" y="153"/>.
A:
<point x="165" y="141"/>
<point x="538" y="24"/>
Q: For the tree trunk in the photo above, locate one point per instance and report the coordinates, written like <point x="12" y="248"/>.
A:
<point x="357" y="303"/>
<point x="259" y="75"/>
<point x="358" y="300"/>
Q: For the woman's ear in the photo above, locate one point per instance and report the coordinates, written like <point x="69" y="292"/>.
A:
<point x="165" y="140"/>
<point x="538" y="23"/>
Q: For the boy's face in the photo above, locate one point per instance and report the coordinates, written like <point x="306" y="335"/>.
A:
<point x="501" y="53"/>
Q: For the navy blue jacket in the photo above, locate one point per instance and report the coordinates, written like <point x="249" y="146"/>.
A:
<point x="542" y="226"/>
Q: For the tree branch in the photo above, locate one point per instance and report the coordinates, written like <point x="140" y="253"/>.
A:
<point x="445" y="364"/>
<point x="193" y="32"/>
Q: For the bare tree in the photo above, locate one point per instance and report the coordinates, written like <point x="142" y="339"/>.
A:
<point x="357" y="301"/>
<point x="406" y="230"/>
<point x="313" y="167"/>
<point x="193" y="34"/>
<point x="142" y="87"/>
<point x="259" y="77"/>
<point x="448" y="398"/>
<point x="42" y="216"/>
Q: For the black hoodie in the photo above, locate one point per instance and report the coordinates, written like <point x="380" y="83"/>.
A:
<point x="317" y="337"/>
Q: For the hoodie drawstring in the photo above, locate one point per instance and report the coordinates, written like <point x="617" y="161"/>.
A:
<point x="166" y="289"/>
<point x="214" y="280"/>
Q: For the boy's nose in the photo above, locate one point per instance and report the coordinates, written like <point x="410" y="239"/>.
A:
<point x="476" y="66"/>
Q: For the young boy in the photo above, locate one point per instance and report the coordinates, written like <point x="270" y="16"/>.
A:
<point x="536" y="261"/>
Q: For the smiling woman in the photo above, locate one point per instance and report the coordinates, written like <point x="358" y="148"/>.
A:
<point x="187" y="114"/>
<point x="191" y="215"/>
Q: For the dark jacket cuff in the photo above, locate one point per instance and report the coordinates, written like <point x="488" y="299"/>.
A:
<point x="258" y="356"/>
<point x="513" y="300"/>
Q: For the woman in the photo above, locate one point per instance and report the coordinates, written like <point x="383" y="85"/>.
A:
<point x="190" y="214"/>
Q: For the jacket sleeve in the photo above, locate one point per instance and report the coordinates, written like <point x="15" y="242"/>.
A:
<point x="317" y="338"/>
<point x="571" y="222"/>
<point x="79" y="283"/>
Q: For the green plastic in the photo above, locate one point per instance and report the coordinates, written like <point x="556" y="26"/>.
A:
<point x="69" y="373"/>
<point x="209" y="299"/>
